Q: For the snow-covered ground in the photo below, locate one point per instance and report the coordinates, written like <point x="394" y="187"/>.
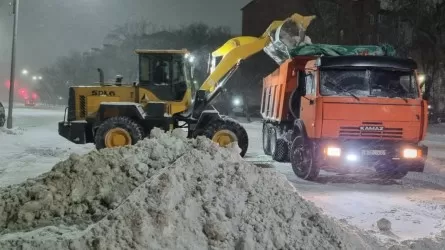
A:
<point x="414" y="205"/>
<point x="34" y="145"/>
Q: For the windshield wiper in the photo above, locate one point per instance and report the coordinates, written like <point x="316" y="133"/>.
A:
<point x="395" y="95"/>
<point x="353" y="95"/>
<point x="346" y="91"/>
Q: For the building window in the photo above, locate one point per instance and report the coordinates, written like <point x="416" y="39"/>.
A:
<point x="369" y="39"/>
<point x="342" y="35"/>
<point x="371" y="19"/>
<point x="380" y="18"/>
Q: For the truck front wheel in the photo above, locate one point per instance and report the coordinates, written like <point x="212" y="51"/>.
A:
<point x="118" y="132"/>
<point x="302" y="160"/>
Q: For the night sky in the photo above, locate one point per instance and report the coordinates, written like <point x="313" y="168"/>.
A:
<point x="51" y="28"/>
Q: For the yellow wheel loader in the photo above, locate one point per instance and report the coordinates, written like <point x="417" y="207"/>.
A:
<point x="166" y="96"/>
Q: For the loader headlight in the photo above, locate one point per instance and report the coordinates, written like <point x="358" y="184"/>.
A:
<point x="333" y="151"/>
<point x="410" y="153"/>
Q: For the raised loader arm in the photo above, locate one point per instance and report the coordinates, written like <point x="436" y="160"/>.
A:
<point x="275" y="39"/>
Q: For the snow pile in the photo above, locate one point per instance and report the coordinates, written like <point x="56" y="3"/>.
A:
<point x="167" y="192"/>
<point x="436" y="243"/>
<point x="83" y="189"/>
<point x="14" y="131"/>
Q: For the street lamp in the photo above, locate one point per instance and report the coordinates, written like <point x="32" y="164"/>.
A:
<point x="40" y="78"/>
<point x="15" y="12"/>
<point x="25" y="72"/>
<point x="34" y="78"/>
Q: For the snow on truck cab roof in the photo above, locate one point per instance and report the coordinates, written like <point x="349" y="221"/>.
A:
<point x="366" y="62"/>
<point x="154" y="51"/>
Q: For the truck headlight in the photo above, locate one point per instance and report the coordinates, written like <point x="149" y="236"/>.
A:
<point x="333" y="151"/>
<point x="410" y="153"/>
<point x="352" y="157"/>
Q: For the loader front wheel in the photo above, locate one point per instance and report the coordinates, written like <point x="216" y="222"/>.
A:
<point x="2" y="115"/>
<point x="118" y="132"/>
<point x="226" y="131"/>
<point x="302" y="160"/>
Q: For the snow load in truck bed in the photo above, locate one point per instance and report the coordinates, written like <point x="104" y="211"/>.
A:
<point x="341" y="50"/>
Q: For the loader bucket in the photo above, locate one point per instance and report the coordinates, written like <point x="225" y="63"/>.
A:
<point x="286" y="35"/>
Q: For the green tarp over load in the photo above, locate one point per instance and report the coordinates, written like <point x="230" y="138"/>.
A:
<point x="290" y="40"/>
<point x="341" y="50"/>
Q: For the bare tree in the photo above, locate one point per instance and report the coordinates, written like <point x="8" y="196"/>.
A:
<point x="117" y="55"/>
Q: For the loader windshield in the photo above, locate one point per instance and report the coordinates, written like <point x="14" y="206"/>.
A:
<point x="162" y="69"/>
<point x="369" y="83"/>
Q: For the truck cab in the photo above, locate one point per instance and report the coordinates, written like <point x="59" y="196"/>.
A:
<point x="354" y="111"/>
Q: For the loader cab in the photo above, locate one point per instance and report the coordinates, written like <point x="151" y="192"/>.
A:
<point x="168" y="74"/>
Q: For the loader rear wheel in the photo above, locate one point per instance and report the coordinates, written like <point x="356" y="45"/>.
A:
<point x="2" y="115"/>
<point x="118" y="132"/>
<point x="225" y="131"/>
<point x="302" y="160"/>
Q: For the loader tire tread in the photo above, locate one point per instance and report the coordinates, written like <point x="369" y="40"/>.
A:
<point x="132" y="127"/>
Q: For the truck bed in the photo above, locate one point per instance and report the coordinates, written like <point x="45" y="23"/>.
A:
<point x="278" y="88"/>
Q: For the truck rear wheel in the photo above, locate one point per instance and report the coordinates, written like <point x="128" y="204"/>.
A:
<point x="272" y="140"/>
<point x="281" y="153"/>
<point x="2" y="115"/>
<point x="266" y="139"/>
<point x="302" y="160"/>
<point x="225" y="131"/>
<point x="118" y="132"/>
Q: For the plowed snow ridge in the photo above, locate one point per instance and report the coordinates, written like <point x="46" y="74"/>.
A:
<point x="169" y="192"/>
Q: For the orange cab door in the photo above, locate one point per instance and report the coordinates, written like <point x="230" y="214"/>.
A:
<point x="307" y="109"/>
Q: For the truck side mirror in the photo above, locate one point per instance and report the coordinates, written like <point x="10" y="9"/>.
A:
<point x="424" y="88"/>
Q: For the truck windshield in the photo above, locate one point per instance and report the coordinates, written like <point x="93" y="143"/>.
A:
<point x="368" y="83"/>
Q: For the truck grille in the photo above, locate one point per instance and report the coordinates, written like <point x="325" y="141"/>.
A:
<point x="386" y="133"/>
<point x="82" y="106"/>
<point x="71" y="105"/>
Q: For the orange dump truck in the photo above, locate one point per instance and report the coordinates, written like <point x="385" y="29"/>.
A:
<point x="328" y="112"/>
